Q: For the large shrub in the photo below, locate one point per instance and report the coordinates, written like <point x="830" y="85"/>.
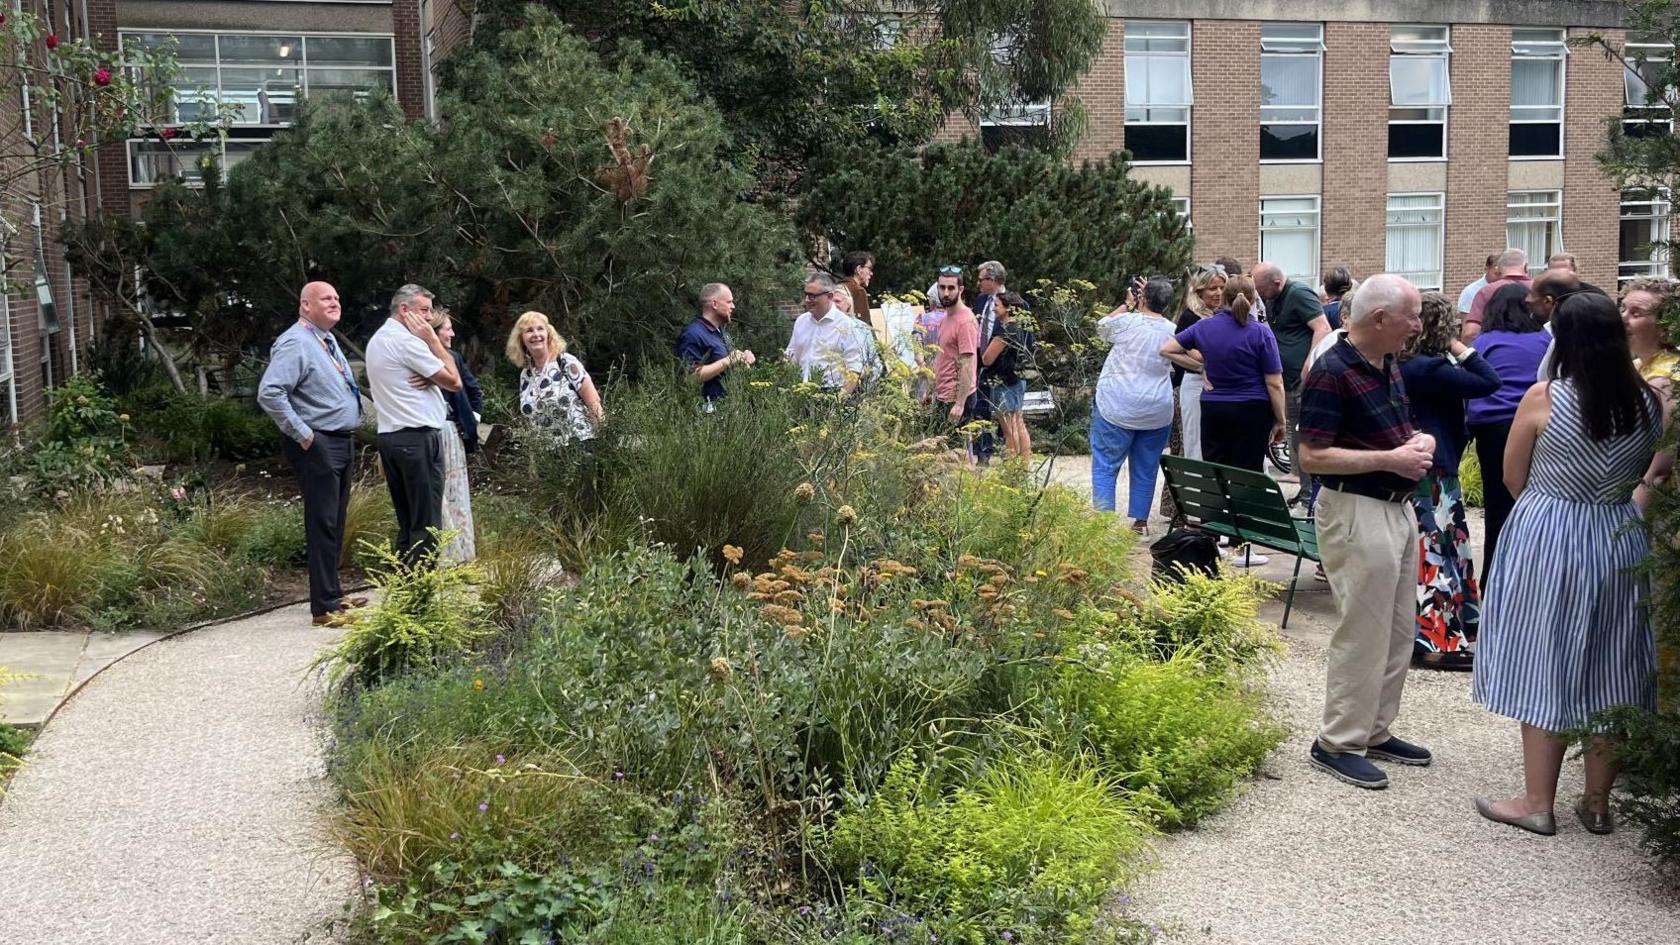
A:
<point x="919" y="209"/>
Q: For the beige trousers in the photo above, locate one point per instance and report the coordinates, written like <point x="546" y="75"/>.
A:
<point x="1370" y="552"/>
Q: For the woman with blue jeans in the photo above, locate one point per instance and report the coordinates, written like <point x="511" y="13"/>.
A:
<point x="1132" y="415"/>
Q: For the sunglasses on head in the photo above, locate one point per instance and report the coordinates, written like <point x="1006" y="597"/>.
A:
<point x="950" y="270"/>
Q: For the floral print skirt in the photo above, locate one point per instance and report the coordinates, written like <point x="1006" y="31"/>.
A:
<point x="1449" y="603"/>
<point x="457" y="500"/>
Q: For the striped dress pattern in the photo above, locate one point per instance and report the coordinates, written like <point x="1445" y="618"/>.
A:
<point x="1566" y="629"/>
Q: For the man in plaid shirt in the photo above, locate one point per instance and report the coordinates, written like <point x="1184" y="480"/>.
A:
<point x="1357" y="437"/>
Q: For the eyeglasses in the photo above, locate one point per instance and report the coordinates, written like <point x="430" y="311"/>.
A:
<point x="950" y="270"/>
<point x="815" y="295"/>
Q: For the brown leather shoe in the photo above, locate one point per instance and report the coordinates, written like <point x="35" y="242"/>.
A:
<point x="351" y="603"/>
<point x="323" y="619"/>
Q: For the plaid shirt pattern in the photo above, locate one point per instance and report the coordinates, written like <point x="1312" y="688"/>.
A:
<point x="1348" y="402"/>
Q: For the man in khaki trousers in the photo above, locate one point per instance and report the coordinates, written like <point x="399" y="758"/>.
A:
<point x="1357" y="437"/>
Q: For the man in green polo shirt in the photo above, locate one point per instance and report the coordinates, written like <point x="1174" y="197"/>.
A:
<point x="1297" y="319"/>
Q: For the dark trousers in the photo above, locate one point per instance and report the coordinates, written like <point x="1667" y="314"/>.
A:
<point x="324" y="473"/>
<point x="981" y="409"/>
<point x="1236" y="434"/>
<point x="1497" y="500"/>
<point x="413" y="464"/>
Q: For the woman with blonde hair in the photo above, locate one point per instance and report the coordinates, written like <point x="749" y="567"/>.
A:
<point x="1207" y="290"/>
<point x="556" y="395"/>
<point x="457" y="492"/>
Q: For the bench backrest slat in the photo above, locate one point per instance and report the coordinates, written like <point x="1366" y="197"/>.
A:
<point x="1238" y="502"/>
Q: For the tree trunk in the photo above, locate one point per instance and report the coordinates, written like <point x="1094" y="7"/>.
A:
<point x="151" y="332"/>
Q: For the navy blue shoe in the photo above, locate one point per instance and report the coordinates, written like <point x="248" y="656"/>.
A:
<point x="1344" y="766"/>
<point x="1401" y="753"/>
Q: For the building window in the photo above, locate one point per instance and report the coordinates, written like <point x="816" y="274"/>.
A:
<point x="1534" y="224"/>
<point x="262" y="77"/>
<point x="1643" y="247"/>
<point x="1415" y="227"/>
<point x="1420" y="92"/>
<point x="1013" y="122"/>
<point x="1537" y="58"/>
<point x="1289" y="235"/>
<point x="1158" y="92"/>
<point x="1645" y="112"/>
<point x="6" y="386"/>
<point x="1026" y="125"/>
<point x="151" y="161"/>
<point x="1181" y="207"/>
<point x="1291" y="86"/>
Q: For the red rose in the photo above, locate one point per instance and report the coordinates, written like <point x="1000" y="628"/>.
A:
<point x="52" y="40"/>
<point x="166" y="133"/>
<point x="102" y="77"/>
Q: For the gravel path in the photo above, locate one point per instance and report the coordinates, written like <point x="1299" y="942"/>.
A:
<point x="178" y="799"/>
<point x="1303" y="859"/>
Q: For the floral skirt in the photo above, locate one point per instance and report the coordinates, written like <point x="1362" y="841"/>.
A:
<point x="457" y="500"/>
<point x="1449" y="603"/>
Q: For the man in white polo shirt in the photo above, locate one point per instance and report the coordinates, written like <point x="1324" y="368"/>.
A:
<point x="406" y="366"/>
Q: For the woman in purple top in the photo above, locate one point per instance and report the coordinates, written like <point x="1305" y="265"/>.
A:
<point x="1513" y="341"/>
<point x="1242" y="378"/>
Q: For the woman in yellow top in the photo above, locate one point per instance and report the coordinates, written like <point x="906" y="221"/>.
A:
<point x="1658" y="363"/>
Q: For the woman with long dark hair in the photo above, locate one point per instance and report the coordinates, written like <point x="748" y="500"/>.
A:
<point x="1242" y="400"/>
<point x="1513" y="341"/>
<point x="1566" y="631"/>
<point x="1440" y="374"/>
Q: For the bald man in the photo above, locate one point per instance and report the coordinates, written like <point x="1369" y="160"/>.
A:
<point x="313" y="397"/>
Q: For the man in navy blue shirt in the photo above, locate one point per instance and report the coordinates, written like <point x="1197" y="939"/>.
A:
<point x="705" y="346"/>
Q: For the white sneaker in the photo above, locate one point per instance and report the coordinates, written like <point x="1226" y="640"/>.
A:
<point x="1250" y="559"/>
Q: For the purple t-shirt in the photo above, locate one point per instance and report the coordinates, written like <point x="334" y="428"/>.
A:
<point x="1516" y="359"/>
<point x="1236" y="358"/>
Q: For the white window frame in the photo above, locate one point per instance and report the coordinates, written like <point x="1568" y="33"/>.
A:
<point x="303" y="65"/>
<point x="1035" y="114"/>
<point x="1640" y="113"/>
<point x="1427" y="280"/>
<point x="1536" y="200"/>
<point x="8" y="372"/>
<point x="1181" y="206"/>
<point x="219" y="147"/>
<point x="1655" y="206"/>
<point x="1421" y="47"/>
<point x="1283" y="46"/>
<point x="1187" y="106"/>
<point x="1316" y="229"/>
<point x="1533" y="49"/>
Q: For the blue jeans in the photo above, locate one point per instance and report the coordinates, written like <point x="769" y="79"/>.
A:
<point x="1112" y="446"/>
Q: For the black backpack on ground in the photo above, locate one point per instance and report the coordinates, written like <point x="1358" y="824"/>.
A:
<point x="1182" y="550"/>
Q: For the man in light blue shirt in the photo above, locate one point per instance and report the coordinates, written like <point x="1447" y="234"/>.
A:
<point x="313" y="397"/>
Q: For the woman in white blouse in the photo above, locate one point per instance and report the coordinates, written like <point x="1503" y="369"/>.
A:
<point x="555" y="393"/>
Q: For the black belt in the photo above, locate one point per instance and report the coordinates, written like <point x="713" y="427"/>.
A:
<point x="1369" y="491"/>
<point x="336" y="432"/>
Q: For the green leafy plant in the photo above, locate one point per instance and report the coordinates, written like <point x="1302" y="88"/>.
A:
<point x="1470" y="480"/>
<point x="426" y="616"/>
<point x="1034" y="842"/>
<point x="1180" y="737"/>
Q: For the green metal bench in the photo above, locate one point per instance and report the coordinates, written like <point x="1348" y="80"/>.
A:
<point x="1244" y="506"/>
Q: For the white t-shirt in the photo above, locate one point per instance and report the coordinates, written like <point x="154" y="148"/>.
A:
<point x="394" y="355"/>
<point x="1135" y="388"/>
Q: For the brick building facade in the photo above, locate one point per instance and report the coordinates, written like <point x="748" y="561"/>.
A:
<point x="1414" y="112"/>
<point x="263" y="55"/>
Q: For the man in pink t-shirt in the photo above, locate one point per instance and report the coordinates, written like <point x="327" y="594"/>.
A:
<point x="959" y="344"/>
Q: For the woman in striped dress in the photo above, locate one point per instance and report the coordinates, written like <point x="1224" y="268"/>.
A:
<point x="1566" y="631"/>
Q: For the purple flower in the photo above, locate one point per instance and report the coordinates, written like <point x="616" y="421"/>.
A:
<point x="1008" y="936"/>
<point x="653" y="838"/>
<point x="618" y="775"/>
<point x="501" y="759"/>
<point x="483" y="807"/>
<point x="804" y="910"/>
